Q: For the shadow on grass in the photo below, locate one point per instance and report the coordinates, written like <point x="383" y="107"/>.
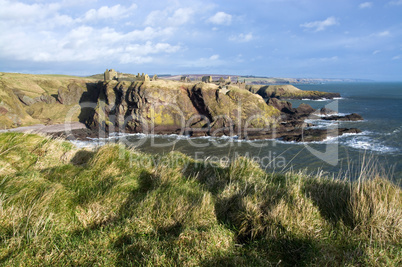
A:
<point x="333" y="200"/>
<point x="82" y="157"/>
<point x="284" y="251"/>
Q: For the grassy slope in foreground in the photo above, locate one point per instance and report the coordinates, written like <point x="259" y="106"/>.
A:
<point x="64" y="206"/>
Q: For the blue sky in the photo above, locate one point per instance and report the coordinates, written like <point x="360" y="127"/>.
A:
<point x="275" y="38"/>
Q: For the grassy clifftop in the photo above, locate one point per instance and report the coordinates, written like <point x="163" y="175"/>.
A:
<point x="35" y="85"/>
<point x="63" y="206"/>
<point x="288" y="91"/>
<point x="16" y="86"/>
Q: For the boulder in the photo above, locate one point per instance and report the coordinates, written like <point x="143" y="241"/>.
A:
<point x="350" y="117"/>
<point x="3" y="111"/>
<point x="70" y="95"/>
<point x="326" y="111"/>
<point x="304" y="109"/>
<point x="46" y="99"/>
<point x="26" y="100"/>
<point x="315" y="135"/>
<point x="283" y="106"/>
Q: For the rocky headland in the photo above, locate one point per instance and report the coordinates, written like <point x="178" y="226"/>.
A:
<point x="156" y="106"/>
<point x="289" y="92"/>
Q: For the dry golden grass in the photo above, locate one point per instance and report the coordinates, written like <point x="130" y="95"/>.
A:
<point x="35" y="85"/>
<point x="63" y="206"/>
<point x="18" y="114"/>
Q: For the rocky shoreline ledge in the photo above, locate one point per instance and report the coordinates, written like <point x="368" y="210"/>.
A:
<point x="292" y="127"/>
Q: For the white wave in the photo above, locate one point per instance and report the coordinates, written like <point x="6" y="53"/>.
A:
<point x="369" y="145"/>
<point x="320" y="99"/>
<point x="396" y="131"/>
<point x="332" y="114"/>
<point x="365" y="142"/>
<point x="328" y="140"/>
<point x="84" y="144"/>
<point x="113" y="136"/>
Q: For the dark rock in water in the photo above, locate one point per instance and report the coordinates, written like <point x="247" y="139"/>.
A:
<point x="327" y="111"/>
<point x="293" y="128"/>
<point x="316" y="135"/>
<point x="283" y="106"/>
<point x="304" y="109"/>
<point x="286" y="108"/>
<point x="350" y="117"/>
<point x="70" y="95"/>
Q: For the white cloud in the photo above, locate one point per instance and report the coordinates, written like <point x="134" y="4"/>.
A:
<point x="325" y="59"/>
<point x="396" y="3"/>
<point x="376" y="52"/>
<point x="155" y="17"/>
<point x="139" y="53"/>
<point x="384" y="34"/>
<point x="242" y="37"/>
<point x="181" y="16"/>
<point x="17" y="12"/>
<point x="320" y="25"/>
<point x="43" y="32"/>
<point x="85" y="44"/>
<point x="221" y="18"/>
<point x="366" y="5"/>
<point x="214" y="57"/>
<point x="166" y="17"/>
<point x="397" y="57"/>
<point x="149" y="33"/>
<point x="115" y="12"/>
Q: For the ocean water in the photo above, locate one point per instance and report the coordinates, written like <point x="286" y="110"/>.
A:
<point x="379" y="144"/>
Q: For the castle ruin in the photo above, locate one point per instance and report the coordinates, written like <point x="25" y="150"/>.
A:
<point x="185" y="79"/>
<point x="207" y="79"/>
<point x="111" y="75"/>
<point x="143" y="77"/>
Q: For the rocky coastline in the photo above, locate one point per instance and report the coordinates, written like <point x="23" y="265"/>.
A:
<point x="207" y="110"/>
<point x="157" y="106"/>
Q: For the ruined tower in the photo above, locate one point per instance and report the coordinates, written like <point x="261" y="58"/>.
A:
<point x="110" y="75"/>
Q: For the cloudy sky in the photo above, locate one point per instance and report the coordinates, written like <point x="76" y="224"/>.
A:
<point x="276" y="38"/>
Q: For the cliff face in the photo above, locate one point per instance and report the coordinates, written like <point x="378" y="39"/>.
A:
<point x="27" y="99"/>
<point x="172" y="107"/>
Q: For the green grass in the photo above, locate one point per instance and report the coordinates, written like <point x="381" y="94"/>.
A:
<point x="16" y="114"/>
<point x="63" y="206"/>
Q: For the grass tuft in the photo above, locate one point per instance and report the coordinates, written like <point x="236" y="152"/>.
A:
<point x="60" y="205"/>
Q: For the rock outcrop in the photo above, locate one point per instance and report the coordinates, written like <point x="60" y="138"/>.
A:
<point x="193" y="109"/>
<point x="203" y="109"/>
<point x="293" y="126"/>
<point x="350" y="117"/>
<point x="289" y="92"/>
<point x="29" y="101"/>
<point x="70" y="95"/>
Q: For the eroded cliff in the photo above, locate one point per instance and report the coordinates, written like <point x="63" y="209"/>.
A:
<point x="172" y="107"/>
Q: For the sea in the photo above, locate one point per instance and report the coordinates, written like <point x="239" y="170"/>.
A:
<point x="377" y="149"/>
